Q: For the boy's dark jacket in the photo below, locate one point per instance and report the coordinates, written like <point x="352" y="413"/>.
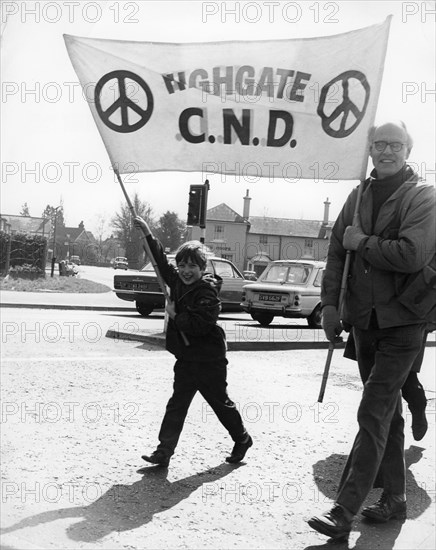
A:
<point x="197" y="310"/>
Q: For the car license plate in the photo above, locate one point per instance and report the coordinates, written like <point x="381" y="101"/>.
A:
<point x="140" y="286"/>
<point x="270" y="297"/>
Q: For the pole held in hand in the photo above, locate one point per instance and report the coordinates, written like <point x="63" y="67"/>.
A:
<point x="341" y="299"/>
<point x="327" y="368"/>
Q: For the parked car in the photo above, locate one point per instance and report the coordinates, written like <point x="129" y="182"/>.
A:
<point x="287" y="288"/>
<point x="75" y="260"/>
<point x="250" y="275"/>
<point x="143" y="288"/>
<point x="121" y="263"/>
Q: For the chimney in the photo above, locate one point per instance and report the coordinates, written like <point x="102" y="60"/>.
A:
<point x="246" y="212"/>
<point x="326" y="212"/>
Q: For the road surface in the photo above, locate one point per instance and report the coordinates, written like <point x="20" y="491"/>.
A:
<point x="79" y="409"/>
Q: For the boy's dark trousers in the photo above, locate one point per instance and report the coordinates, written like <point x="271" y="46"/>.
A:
<point x="210" y="379"/>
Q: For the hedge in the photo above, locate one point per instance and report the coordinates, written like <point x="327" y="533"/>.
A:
<point x="27" y="254"/>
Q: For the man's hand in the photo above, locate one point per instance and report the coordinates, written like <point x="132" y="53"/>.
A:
<point x="353" y="236"/>
<point x="170" y="308"/>
<point x="331" y="322"/>
<point x="142" y="225"/>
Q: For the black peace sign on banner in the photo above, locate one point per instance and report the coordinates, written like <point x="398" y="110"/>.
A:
<point x="351" y="114"/>
<point x="123" y="103"/>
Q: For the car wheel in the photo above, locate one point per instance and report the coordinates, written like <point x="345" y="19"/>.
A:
<point x="314" y="319"/>
<point x="263" y="319"/>
<point x="143" y="309"/>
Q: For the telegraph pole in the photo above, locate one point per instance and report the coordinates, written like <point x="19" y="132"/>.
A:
<point x="53" y="259"/>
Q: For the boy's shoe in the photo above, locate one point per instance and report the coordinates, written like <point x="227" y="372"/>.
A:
<point x="386" y="508"/>
<point x="157" y="457"/>
<point x="239" y="451"/>
<point x="335" y="524"/>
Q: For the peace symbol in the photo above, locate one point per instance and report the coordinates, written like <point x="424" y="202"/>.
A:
<point x="123" y="102"/>
<point x="347" y="108"/>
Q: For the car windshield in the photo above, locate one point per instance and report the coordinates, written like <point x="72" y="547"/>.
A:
<point x="297" y="274"/>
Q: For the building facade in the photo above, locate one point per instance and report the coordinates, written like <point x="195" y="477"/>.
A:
<point x="251" y="242"/>
<point x="76" y="241"/>
<point x="26" y="224"/>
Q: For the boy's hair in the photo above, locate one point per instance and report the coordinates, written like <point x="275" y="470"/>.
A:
<point x="192" y="251"/>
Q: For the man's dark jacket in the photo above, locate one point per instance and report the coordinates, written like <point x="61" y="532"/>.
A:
<point x="401" y="245"/>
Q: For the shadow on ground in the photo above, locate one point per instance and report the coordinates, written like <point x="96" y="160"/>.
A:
<point x="126" y="507"/>
<point x="327" y="474"/>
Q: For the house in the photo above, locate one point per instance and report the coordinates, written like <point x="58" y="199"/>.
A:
<point x="26" y="224"/>
<point x="5" y="225"/>
<point x="110" y="249"/>
<point x="226" y="233"/>
<point x="76" y="241"/>
<point x="251" y="242"/>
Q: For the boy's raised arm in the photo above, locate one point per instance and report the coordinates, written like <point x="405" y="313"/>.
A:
<point x="167" y="270"/>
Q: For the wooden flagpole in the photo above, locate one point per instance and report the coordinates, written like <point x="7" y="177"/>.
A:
<point x="341" y="296"/>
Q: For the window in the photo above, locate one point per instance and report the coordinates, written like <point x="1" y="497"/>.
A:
<point x="275" y="274"/>
<point x="263" y="239"/>
<point x="223" y="269"/>
<point x="298" y="274"/>
<point x="218" y="232"/>
<point x="318" y="279"/>
<point x="227" y="257"/>
<point x="288" y="273"/>
<point x="308" y="243"/>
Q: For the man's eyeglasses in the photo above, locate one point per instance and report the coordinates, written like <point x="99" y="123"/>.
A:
<point x="395" y="146"/>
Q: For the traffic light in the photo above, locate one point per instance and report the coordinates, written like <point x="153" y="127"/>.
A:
<point x="194" y="204"/>
<point x="197" y="205"/>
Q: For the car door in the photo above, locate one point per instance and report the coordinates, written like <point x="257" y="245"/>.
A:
<point x="311" y="296"/>
<point x="233" y="281"/>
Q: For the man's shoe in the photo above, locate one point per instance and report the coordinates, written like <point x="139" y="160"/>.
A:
<point x="335" y="524"/>
<point x="385" y="509"/>
<point x="239" y="451"/>
<point x="157" y="457"/>
<point x="419" y="421"/>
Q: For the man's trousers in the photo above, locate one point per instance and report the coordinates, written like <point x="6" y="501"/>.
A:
<point x="385" y="357"/>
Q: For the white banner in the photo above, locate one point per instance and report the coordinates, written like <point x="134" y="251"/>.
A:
<point x="281" y="108"/>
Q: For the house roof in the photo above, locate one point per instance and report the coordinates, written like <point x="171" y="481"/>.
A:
<point x="285" y="226"/>
<point x="28" y="224"/>
<point x="72" y="232"/>
<point x="264" y="225"/>
<point x="224" y="213"/>
<point x="75" y="233"/>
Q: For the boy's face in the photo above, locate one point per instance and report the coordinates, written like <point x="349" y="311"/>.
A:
<point x="189" y="272"/>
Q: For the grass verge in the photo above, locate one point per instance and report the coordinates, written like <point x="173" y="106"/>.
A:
<point x="53" y="284"/>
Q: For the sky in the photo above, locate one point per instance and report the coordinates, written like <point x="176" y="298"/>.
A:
<point x="52" y="153"/>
